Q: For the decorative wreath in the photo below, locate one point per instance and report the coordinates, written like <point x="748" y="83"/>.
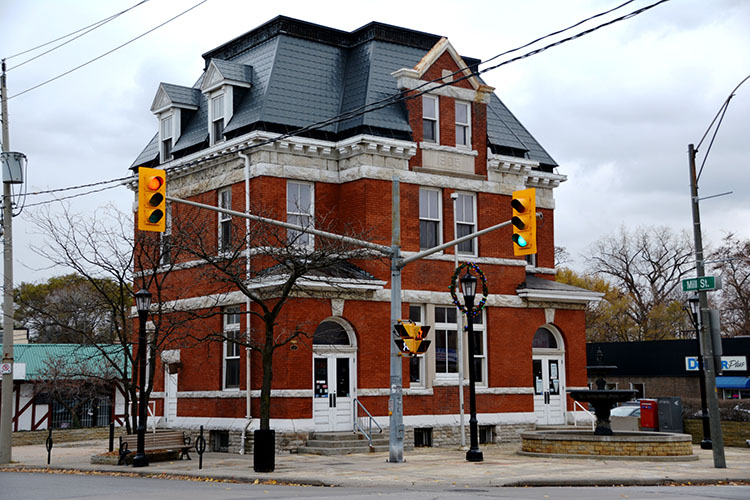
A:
<point x="485" y="292"/>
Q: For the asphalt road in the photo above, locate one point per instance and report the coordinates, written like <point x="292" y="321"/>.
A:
<point x="41" y="486"/>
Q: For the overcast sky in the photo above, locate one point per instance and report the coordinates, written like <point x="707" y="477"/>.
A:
<point x="616" y="109"/>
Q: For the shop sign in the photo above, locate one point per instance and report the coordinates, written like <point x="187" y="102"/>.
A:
<point x="728" y="363"/>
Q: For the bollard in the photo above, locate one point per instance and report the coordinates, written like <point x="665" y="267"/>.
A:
<point x="111" y="436"/>
<point x="200" y="447"/>
<point x="48" y="445"/>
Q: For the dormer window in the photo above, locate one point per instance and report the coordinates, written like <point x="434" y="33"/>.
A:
<point x="217" y="119"/>
<point x="167" y="135"/>
<point x="429" y="118"/>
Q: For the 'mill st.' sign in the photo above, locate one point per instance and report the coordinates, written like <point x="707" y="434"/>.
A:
<point x="702" y="284"/>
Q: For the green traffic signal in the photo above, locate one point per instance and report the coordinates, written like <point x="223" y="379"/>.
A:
<point x="519" y="240"/>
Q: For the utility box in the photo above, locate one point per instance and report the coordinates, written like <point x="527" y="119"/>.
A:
<point x="670" y="414"/>
<point x="649" y="415"/>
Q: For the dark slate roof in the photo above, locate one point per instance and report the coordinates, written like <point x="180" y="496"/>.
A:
<point x="304" y="73"/>
<point x="339" y="270"/>
<point x="180" y="95"/>
<point x="234" y="71"/>
<point x="534" y="283"/>
<point x="149" y="154"/>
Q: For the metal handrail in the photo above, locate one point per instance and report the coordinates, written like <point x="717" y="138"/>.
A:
<point x="575" y="420"/>
<point x="370" y="420"/>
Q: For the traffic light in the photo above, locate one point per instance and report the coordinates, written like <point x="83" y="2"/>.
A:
<point x="411" y="338"/>
<point x="152" y="199"/>
<point x="524" y="221"/>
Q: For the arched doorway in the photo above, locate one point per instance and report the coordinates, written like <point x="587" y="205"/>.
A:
<point x="548" y="357"/>
<point x="334" y="375"/>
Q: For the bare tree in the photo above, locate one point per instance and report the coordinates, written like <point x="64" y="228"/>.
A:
<point x="102" y="252"/>
<point x="733" y="263"/>
<point x="281" y="264"/>
<point x="647" y="265"/>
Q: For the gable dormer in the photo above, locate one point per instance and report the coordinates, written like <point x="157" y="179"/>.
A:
<point x="221" y="85"/>
<point x="171" y="105"/>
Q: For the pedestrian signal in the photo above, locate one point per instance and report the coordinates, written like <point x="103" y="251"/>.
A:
<point x="411" y="338"/>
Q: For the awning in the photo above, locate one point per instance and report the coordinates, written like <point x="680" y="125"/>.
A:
<point x="733" y="382"/>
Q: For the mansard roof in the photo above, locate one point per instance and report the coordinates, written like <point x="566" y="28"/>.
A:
<point x="177" y="96"/>
<point x="302" y="73"/>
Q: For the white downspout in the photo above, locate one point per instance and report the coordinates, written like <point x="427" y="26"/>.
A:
<point x="248" y="416"/>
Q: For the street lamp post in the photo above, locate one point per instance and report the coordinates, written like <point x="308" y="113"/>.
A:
<point x="469" y="289"/>
<point x="695" y="308"/>
<point x="142" y="304"/>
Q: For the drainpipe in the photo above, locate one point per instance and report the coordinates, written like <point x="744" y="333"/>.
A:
<point x="248" y="416"/>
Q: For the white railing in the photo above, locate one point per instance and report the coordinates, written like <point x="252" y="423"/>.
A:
<point x="576" y="404"/>
<point x="368" y="419"/>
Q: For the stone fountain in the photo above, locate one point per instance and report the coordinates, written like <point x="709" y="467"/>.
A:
<point x="601" y="398"/>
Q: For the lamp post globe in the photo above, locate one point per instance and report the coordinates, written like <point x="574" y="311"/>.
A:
<point x="142" y="305"/>
<point x="469" y="289"/>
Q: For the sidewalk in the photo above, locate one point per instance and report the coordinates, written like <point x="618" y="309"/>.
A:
<point x="502" y="466"/>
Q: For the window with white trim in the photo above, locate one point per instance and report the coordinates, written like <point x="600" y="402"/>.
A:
<point x="167" y="135"/>
<point x="417" y="363"/>
<point x="225" y="220"/>
<point x="466" y="222"/>
<point x="479" y="356"/>
<point x="463" y="125"/>
<point x="165" y="254"/>
<point x="231" y="358"/>
<point x="446" y="342"/>
<point x="299" y="211"/>
<point x="430" y="118"/>
<point x="217" y="119"/>
<point x="430" y="218"/>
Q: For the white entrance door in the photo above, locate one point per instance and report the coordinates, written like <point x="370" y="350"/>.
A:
<point x="549" y="393"/>
<point x="332" y="392"/>
<point x="170" y="398"/>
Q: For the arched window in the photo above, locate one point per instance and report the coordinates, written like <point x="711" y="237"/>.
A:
<point x="544" y="339"/>
<point x="330" y="333"/>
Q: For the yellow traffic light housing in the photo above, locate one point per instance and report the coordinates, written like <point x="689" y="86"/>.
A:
<point x="411" y="338"/>
<point x="152" y="199"/>
<point x="524" y="221"/>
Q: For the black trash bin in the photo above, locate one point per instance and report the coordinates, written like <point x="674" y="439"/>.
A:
<point x="264" y="450"/>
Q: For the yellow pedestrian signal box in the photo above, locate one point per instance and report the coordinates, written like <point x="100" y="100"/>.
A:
<point x="152" y="199"/>
<point x="524" y="221"/>
<point x="411" y="338"/>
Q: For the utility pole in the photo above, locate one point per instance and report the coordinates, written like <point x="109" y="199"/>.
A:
<point x="6" y="410"/>
<point x="717" y="440"/>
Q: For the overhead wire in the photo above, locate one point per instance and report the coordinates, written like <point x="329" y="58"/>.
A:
<point x="108" y="52"/>
<point x="86" y="30"/>
<point x="382" y="103"/>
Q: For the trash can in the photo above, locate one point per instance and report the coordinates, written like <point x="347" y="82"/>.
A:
<point x="649" y="415"/>
<point x="670" y="414"/>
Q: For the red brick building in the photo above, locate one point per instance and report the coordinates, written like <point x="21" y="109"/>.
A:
<point x="226" y="142"/>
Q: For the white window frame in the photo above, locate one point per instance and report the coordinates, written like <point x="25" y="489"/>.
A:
<point x="165" y="249"/>
<point x="217" y="113"/>
<point x="427" y="217"/>
<point x="481" y="329"/>
<point x="225" y="220"/>
<point x="461" y="207"/>
<point x="464" y="126"/>
<point x="436" y="119"/>
<point x="294" y="213"/>
<point x="417" y="314"/>
<point x="166" y="133"/>
<point x="445" y="326"/>
<point x="231" y="350"/>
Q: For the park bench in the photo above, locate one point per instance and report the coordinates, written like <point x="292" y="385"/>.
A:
<point x="171" y="441"/>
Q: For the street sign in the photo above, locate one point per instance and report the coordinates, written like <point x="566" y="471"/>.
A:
<point x="702" y="284"/>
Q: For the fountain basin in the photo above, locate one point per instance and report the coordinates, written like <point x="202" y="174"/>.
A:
<point x="621" y="445"/>
<point x="602" y="400"/>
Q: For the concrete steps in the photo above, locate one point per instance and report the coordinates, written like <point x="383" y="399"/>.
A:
<point x="343" y="443"/>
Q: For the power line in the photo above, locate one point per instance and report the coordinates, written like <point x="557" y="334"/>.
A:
<point x="108" y="52"/>
<point x="88" y="29"/>
<point x="393" y="99"/>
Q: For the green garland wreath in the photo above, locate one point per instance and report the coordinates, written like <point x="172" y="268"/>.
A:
<point x="485" y="292"/>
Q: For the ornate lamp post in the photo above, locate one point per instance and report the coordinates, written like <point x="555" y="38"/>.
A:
<point x="142" y="304"/>
<point x="695" y="308"/>
<point x="469" y="289"/>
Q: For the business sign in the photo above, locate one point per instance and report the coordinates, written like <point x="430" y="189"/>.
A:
<point x="728" y="363"/>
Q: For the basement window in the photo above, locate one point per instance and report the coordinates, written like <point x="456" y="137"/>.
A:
<point x="220" y="441"/>
<point x="423" y="437"/>
<point x="486" y="434"/>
